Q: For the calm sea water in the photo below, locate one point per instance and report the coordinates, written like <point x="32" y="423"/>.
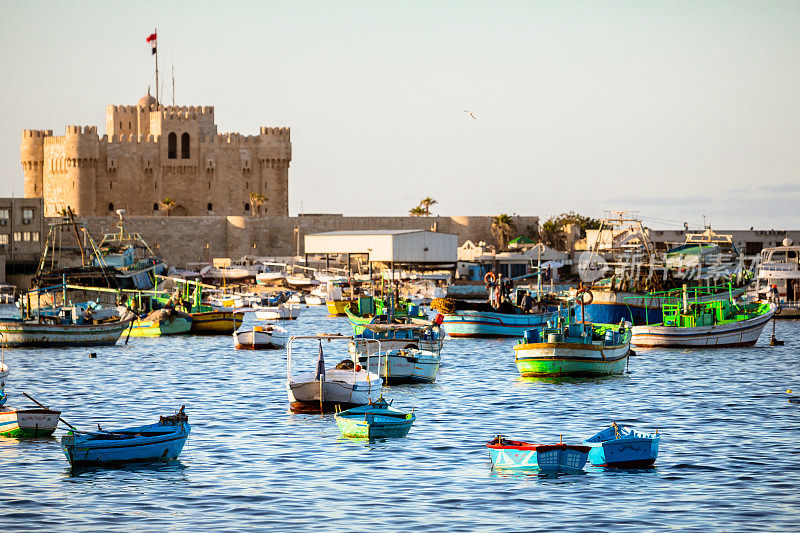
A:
<point x="729" y="456"/>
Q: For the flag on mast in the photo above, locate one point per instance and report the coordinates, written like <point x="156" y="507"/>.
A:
<point x="152" y="40"/>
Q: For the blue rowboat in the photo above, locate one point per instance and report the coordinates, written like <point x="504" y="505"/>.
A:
<point x="489" y="324"/>
<point x="621" y="447"/>
<point x="548" y="458"/>
<point x="162" y="441"/>
<point x="374" y="421"/>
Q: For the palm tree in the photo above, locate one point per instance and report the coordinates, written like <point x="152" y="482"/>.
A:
<point x="503" y="228"/>
<point x="256" y="201"/>
<point x="426" y="204"/>
<point x="167" y="205"/>
<point x="416" y="212"/>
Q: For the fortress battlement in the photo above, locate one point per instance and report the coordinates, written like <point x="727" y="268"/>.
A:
<point x="34" y="134"/>
<point x="198" y="110"/>
<point x="81" y="130"/>
<point x="186" y="113"/>
<point x="131" y="138"/>
<point x="53" y="140"/>
<point x="280" y="133"/>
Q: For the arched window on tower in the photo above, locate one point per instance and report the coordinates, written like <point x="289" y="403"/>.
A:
<point x="172" y="146"/>
<point x="185" y="146"/>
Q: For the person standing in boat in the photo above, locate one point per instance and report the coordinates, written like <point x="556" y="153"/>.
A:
<point x="774" y="297"/>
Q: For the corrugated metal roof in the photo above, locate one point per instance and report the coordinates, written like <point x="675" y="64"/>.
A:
<point x="419" y="246"/>
<point x="369" y="232"/>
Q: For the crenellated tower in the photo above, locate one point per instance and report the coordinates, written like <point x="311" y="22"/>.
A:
<point x="70" y="163"/>
<point x="31" y="155"/>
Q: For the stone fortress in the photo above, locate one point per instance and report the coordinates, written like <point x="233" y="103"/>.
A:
<point x="153" y="152"/>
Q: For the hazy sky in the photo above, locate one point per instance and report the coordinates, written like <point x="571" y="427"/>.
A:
<point x="674" y="109"/>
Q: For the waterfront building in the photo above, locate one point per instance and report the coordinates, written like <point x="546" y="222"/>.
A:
<point x="22" y="234"/>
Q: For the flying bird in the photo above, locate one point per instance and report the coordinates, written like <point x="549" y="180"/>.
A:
<point x="470" y="114"/>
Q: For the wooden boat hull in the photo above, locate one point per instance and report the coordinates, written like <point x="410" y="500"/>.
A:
<point x="570" y="359"/>
<point x="373" y="426"/>
<point x="304" y="392"/>
<point x="478" y="324"/>
<point x="175" y="325"/>
<point x="742" y="333"/>
<point x="216" y="322"/>
<point x="337" y="307"/>
<point x="623" y="449"/>
<point x="28" y="423"/>
<point x="556" y="458"/>
<point x="19" y="333"/>
<point x="403" y="366"/>
<point x="264" y="339"/>
<point x="166" y="447"/>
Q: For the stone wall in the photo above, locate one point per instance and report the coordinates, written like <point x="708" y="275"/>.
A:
<point x="182" y="240"/>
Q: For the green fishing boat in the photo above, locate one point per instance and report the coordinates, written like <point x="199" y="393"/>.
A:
<point x="206" y="319"/>
<point x="160" y="323"/>
<point x="574" y="349"/>
<point x="367" y="309"/>
<point x="689" y="321"/>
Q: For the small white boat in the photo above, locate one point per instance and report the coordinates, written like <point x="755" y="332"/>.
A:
<point x="330" y="276"/>
<point x="267" y="278"/>
<point x="27" y="422"/>
<point x="300" y="282"/>
<point x="225" y="301"/>
<point x="263" y="337"/>
<point x="314" y="300"/>
<point x="280" y="312"/>
<point x="322" y="390"/>
<point x="409" y="365"/>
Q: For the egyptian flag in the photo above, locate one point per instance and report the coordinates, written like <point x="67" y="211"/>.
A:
<point x="152" y="40"/>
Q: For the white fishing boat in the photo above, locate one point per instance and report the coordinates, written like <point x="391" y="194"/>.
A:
<point x="284" y="311"/>
<point x="312" y="299"/>
<point x="780" y="267"/>
<point x="300" y="281"/>
<point x="301" y="278"/>
<point x="260" y="337"/>
<point x="331" y="276"/>
<point x="408" y="365"/>
<point x="273" y="273"/>
<point x="424" y="336"/>
<point x="321" y="390"/>
<point x="297" y="298"/>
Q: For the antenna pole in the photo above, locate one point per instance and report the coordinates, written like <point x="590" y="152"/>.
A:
<point x="156" y="54"/>
<point x="173" y="75"/>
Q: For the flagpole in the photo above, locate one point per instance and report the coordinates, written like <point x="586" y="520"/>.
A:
<point x="155" y="32"/>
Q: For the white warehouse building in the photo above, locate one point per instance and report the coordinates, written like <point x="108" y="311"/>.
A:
<point x="406" y="247"/>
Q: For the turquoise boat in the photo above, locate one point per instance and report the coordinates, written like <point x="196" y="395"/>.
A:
<point x="162" y="441"/>
<point x="622" y="447"/>
<point x="546" y="458"/>
<point x="377" y="420"/>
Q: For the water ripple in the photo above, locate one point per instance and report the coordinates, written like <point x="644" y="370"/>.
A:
<point x="728" y="452"/>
